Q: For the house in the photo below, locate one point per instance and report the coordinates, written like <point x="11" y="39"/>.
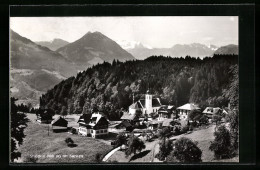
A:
<point x="125" y="124"/>
<point x="94" y="125"/>
<point x="59" y="124"/>
<point x="154" y="124"/>
<point x="210" y="111"/>
<point x="186" y="109"/>
<point x="166" y="112"/>
<point x="146" y="106"/>
<point x="44" y="116"/>
<point x="131" y="118"/>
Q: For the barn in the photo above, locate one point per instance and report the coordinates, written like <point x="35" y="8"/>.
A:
<point x="59" y="124"/>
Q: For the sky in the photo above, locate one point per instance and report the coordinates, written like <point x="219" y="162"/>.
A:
<point x="157" y="32"/>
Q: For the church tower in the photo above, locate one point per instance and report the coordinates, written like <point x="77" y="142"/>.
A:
<point x="148" y="102"/>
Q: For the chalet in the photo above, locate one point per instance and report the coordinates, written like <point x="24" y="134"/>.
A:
<point x="131" y="118"/>
<point x="186" y="109"/>
<point x="125" y="124"/>
<point x="94" y="125"/>
<point x="44" y="116"/>
<point x="146" y="106"/>
<point x="59" y="124"/>
<point x="210" y="111"/>
<point x="166" y="112"/>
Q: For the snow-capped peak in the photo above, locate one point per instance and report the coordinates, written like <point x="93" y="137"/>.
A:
<point x="212" y="47"/>
<point x="132" y="44"/>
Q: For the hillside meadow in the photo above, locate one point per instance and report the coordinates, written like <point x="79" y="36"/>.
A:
<point x="38" y="143"/>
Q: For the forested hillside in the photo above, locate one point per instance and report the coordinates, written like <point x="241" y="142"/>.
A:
<point x="175" y="80"/>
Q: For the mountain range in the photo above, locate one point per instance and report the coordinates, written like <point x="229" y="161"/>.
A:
<point x="179" y="50"/>
<point x="94" y="48"/>
<point x="37" y="67"/>
<point x="54" y="44"/>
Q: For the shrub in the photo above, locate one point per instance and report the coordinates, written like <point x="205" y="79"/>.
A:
<point x="204" y="120"/>
<point x="69" y="141"/>
<point x="221" y="144"/>
<point x="185" y="150"/>
<point x="176" y="129"/>
<point x="98" y="157"/>
<point x="120" y="139"/>
<point x="73" y="131"/>
<point x="185" y="129"/>
<point x="232" y="118"/>
<point x="165" y="132"/>
<point x="134" y="144"/>
<point x="165" y="149"/>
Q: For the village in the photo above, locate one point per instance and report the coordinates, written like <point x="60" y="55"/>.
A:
<point x="145" y="119"/>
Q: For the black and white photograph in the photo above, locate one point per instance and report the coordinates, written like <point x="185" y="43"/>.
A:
<point x="124" y="89"/>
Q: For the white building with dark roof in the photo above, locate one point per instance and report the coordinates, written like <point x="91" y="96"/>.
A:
<point x="146" y="106"/>
<point x="93" y="125"/>
<point x="185" y="110"/>
<point x="210" y="111"/>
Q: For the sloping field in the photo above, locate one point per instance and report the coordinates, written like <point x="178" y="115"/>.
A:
<point x="53" y="149"/>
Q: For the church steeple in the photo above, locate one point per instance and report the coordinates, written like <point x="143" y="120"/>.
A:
<point x="148" y="102"/>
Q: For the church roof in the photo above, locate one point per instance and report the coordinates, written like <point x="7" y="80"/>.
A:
<point x="135" y="106"/>
<point x="188" y="106"/>
<point x="127" y="116"/>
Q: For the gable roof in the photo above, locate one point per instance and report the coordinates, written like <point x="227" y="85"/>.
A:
<point x="156" y="102"/>
<point x="211" y="110"/>
<point x="91" y="119"/>
<point x="142" y="102"/>
<point x="59" y="119"/>
<point x="208" y="110"/>
<point x="126" y="124"/>
<point x="127" y="116"/>
<point x="135" y="106"/>
<point x="85" y="118"/>
<point x="188" y="106"/>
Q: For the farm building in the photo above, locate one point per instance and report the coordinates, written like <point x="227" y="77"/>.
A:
<point x="210" y="111"/>
<point x="44" y="116"/>
<point x="125" y="124"/>
<point x="186" y="109"/>
<point x="94" y="125"/>
<point x="59" y="124"/>
<point x="166" y="112"/>
<point x="131" y="118"/>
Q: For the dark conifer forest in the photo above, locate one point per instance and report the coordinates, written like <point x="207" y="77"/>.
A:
<point x="176" y="81"/>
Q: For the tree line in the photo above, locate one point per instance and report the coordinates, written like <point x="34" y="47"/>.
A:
<point x="176" y="81"/>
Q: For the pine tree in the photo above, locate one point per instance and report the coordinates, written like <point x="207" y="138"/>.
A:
<point x="18" y="124"/>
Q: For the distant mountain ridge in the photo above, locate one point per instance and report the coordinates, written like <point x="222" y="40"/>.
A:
<point x="178" y="50"/>
<point x="94" y="48"/>
<point x="54" y="44"/>
<point x="36" y="68"/>
<point x="228" y="49"/>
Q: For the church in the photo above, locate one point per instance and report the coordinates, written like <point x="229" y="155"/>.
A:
<point x="146" y="106"/>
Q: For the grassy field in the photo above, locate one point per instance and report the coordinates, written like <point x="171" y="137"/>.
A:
<point x="39" y="143"/>
<point x="203" y="136"/>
